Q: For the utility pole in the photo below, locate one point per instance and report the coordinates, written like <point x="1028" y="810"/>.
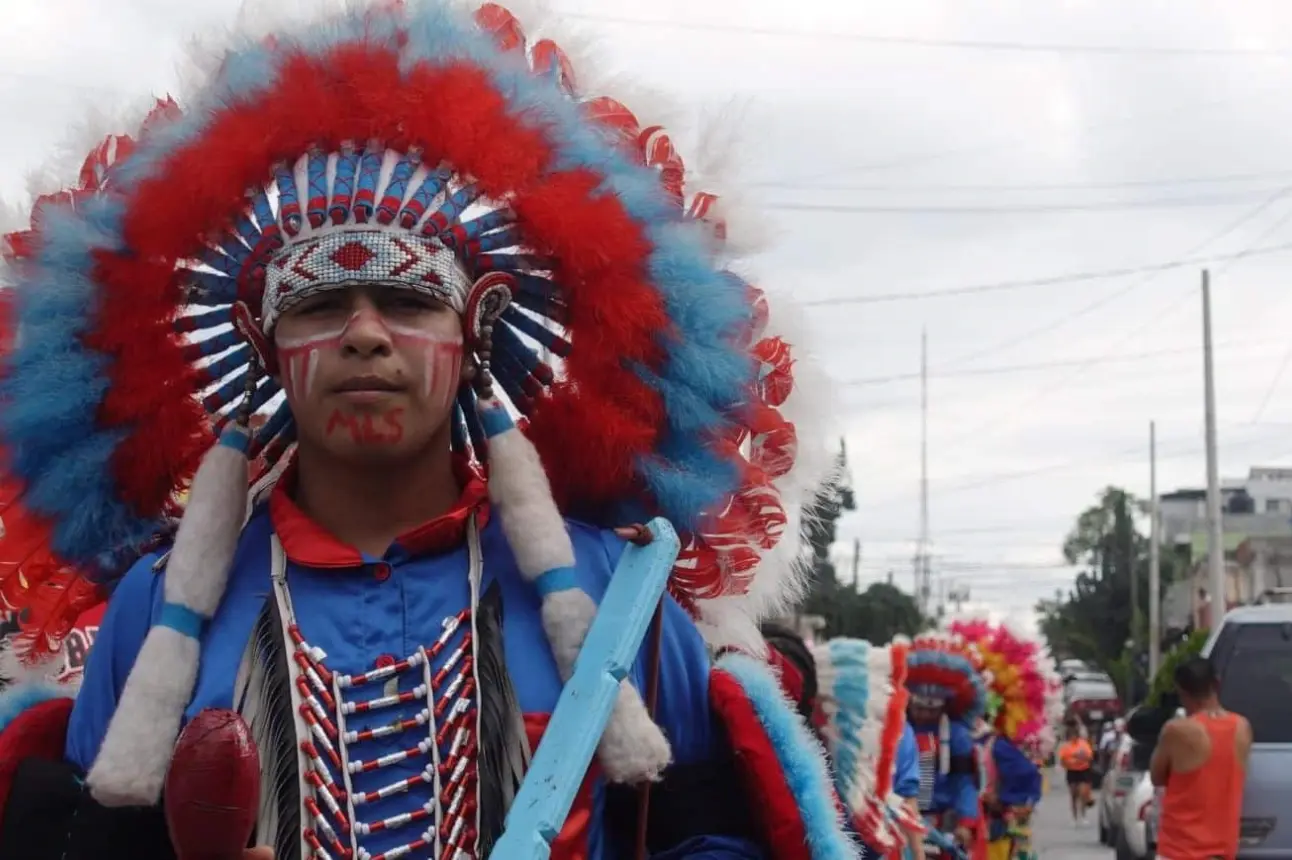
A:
<point x="1154" y="561"/>
<point x="1133" y="570"/>
<point x="1215" y="534"/>
<point x="924" y="584"/>
<point x="856" y="563"/>
<point x="959" y="595"/>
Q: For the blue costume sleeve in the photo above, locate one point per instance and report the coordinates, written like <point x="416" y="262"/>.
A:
<point x="1018" y="782"/>
<point x="125" y="624"/>
<point x="964" y="786"/>
<point x="906" y="779"/>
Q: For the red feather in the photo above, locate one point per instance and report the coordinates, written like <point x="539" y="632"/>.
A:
<point x="56" y="603"/>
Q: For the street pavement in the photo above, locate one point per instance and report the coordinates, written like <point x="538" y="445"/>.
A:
<point x="1053" y="833"/>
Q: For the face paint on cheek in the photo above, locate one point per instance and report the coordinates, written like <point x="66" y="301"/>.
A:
<point x="441" y="362"/>
<point x="299" y="360"/>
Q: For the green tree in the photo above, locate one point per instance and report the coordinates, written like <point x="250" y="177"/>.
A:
<point x="1164" y="680"/>
<point x="879" y="613"/>
<point x="1094" y="621"/>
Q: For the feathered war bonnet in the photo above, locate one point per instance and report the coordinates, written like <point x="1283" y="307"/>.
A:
<point x="862" y="704"/>
<point x="632" y="372"/>
<point x="1020" y="678"/>
<point x="945" y="668"/>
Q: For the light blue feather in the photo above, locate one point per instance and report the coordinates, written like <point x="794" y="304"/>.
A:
<point x="799" y="755"/>
<point x="18" y="698"/>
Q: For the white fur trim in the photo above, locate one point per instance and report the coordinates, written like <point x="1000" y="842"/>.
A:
<point x="633" y="748"/>
<point x="519" y="488"/>
<point x="136" y="751"/>
<point x="132" y="763"/>
<point x="208" y="534"/>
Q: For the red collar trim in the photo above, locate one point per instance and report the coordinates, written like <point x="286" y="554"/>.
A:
<point x="307" y="543"/>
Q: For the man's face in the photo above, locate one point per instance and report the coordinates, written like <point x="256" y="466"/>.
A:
<point x="370" y="372"/>
<point x="924" y="714"/>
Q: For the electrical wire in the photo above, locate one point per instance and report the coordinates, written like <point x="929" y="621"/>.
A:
<point x="1111" y="297"/>
<point x="1029" y="188"/>
<point x="1049" y="365"/>
<point x="925" y="42"/>
<point x="1047" y="281"/>
<point x="1132" y="454"/>
<point x="1034" y="209"/>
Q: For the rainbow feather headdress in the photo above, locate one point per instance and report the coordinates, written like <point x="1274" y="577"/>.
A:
<point x="946" y="668"/>
<point x="863" y="702"/>
<point x="1021" y="680"/>
<point x="434" y="148"/>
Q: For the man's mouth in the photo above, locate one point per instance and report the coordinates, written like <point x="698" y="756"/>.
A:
<point x="367" y="383"/>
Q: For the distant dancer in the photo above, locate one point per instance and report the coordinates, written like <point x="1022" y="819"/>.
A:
<point x="1201" y="761"/>
<point x="1076" y="757"/>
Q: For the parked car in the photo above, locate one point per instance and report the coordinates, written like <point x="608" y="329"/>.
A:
<point x="1252" y="652"/>
<point x="1069" y="668"/>
<point x="1129" y="763"/>
<point x="1092" y="697"/>
<point x="1137" y="829"/>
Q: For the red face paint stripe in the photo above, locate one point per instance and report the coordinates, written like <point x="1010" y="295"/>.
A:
<point x="615" y="316"/>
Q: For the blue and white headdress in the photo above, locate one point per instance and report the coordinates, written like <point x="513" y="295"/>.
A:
<point x="862" y="705"/>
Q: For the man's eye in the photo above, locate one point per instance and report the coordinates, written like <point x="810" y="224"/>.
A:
<point x="413" y="302"/>
<point x="319" y="306"/>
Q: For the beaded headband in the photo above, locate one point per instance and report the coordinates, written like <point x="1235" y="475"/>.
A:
<point x="339" y="260"/>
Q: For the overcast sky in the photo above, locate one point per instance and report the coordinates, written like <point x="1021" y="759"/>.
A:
<point x="931" y="145"/>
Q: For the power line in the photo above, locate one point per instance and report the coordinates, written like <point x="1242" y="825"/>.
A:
<point x="1133" y="285"/>
<point x="1278" y="377"/>
<point x="1051" y="280"/>
<point x="1191" y="108"/>
<point x="1120" y="457"/>
<point x="1035" y="209"/>
<point x="1031" y="187"/>
<point x="994" y="45"/>
<point x="1047" y="365"/>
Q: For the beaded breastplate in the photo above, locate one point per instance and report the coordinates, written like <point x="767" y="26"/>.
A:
<point x="357" y="742"/>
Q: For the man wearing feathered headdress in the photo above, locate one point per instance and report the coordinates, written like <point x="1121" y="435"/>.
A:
<point x="513" y="390"/>
<point x="1019" y="688"/>
<point x="860" y="708"/>
<point x="947" y="697"/>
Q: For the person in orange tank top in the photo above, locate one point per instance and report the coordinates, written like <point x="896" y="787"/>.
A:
<point x="1201" y="761"/>
<point x="1076" y="756"/>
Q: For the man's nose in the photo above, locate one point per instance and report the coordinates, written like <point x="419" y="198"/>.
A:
<point x="366" y="332"/>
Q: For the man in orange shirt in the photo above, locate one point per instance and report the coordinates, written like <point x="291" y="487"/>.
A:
<point x="1201" y="760"/>
<point x="1076" y="757"/>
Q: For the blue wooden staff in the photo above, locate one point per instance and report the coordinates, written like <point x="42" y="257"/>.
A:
<point x="587" y="700"/>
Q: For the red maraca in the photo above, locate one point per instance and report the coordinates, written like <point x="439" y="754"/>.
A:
<point x="213" y="788"/>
